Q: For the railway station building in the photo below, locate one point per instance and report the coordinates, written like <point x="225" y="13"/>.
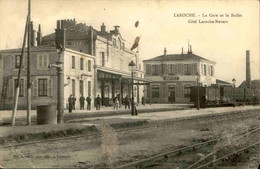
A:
<point x="172" y="75"/>
<point x="95" y="63"/>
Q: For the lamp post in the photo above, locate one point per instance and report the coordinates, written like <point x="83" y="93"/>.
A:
<point x="234" y="88"/>
<point x="132" y="68"/>
<point x="60" y="85"/>
<point x="198" y="91"/>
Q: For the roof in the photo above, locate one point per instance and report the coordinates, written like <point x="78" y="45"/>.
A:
<point x="254" y="84"/>
<point x="218" y="81"/>
<point x="78" y="31"/>
<point x="178" y="57"/>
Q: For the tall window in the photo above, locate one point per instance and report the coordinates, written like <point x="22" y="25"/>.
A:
<point x="73" y="62"/>
<point x="43" y="61"/>
<point x="155" y="92"/>
<point x="103" y="60"/>
<point x="171" y="69"/>
<point x="73" y="86"/>
<point x="155" y="70"/>
<point x="201" y="68"/>
<point x="42" y="87"/>
<point x="89" y="65"/>
<point x="21" y="93"/>
<point x="211" y="71"/>
<point x="205" y="70"/>
<point x="81" y="87"/>
<point x="81" y="64"/>
<point x="17" y="61"/>
<point x="187" y="69"/>
<point x="89" y="88"/>
<point x="187" y="92"/>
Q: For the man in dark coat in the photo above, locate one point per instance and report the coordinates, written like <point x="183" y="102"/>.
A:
<point x="127" y="102"/>
<point x="143" y="100"/>
<point x="98" y="102"/>
<point x="73" y="101"/>
<point x="70" y="104"/>
<point x="88" y="99"/>
<point x="82" y="101"/>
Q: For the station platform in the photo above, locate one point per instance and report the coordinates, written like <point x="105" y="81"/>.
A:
<point x="5" y="116"/>
<point x="149" y="117"/>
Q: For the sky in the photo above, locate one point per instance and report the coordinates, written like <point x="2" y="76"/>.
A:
<point x="224" y="43"/>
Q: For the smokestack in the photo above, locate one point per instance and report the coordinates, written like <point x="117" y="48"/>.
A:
<point x="39" y="36"/>
<point x="165" y="51"/>
<point x="248" y="74"/>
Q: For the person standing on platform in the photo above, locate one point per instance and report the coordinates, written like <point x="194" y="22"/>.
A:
<point x="127" y="103"/>
<point x="70" y="104"/>
<point x="73" y="101"/>
<point x="82" y="101"/>
<point x="143" y="100"/>
<point x="88" y="99"/>
<point x="98" y="102"/>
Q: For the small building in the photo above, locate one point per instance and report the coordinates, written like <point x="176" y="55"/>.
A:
<point x="43" y="78"/>
<point x="172" y="75"/>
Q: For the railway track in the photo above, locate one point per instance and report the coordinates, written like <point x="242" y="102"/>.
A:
<point x="163" y="157"/>
<point x="131" y="129"/>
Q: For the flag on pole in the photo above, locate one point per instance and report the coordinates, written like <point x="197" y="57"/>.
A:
<point x="136" y="43"/>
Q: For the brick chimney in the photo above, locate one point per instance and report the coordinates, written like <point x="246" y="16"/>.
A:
<point x="248" y="74"/>
<point x="103" y="28"/>
<point x="39" y="36"/>
<point x="60" y="35"/>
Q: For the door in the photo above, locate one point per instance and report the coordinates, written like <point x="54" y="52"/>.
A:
<point x="171" y="94"/>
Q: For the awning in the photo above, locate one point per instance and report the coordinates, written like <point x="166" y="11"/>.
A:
<point x="137" y="78"/>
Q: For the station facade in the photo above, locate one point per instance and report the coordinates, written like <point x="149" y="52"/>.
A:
<point x="172" y="75"/>
<point x="95" y="63"/>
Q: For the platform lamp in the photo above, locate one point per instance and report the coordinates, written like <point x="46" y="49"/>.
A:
<point x="132" y="67"/>
<point x="198" y="90"/>
<point x="234" y="85"/>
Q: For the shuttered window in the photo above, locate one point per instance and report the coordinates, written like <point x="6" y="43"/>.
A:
<point x="42" y="87"/>
<point x="89" y="65"/>
<point x="73" y="87"/>
<point x="43" y="61"/>
<point x="81" y="87"/>
<point x="205" y="70"/>
<point x="73" y="62"/>
<point x="171" y="70"/>
<point x="21" y="93"/>
<point x="187" y="69"/>
<point x="81" y="64"/>
<point x="155" y="70"/>
<point x="148" y="69"/>
<point x="17" y="61"/>
<point x="155" y="92"/>
<point x="89" y="88"/>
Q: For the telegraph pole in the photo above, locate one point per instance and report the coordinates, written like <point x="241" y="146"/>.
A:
<point x="29" y="85"/>
<point x="19" y="75"/>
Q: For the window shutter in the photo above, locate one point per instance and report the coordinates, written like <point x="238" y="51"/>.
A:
<point x="11" y="87"/>
<point x="148" y="69"/>
<point x="35" y="87"/>
<point x="12" y="61"/>
<point x="50" y="87"/>
<point x="212" y="71"/>
<point x="181" y="69"/>
<point x="208" y="70"/>
<point x="194" y="69"/>
<point x="165" y="70"/>
<point x="160" y="69"/>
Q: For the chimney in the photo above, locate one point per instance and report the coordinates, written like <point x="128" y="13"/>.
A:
<point x="165" y="51"/>
<point x="190" y="49"/>
<point x="248" y="75"/>
<point x="33" y="38"/>
<point x="103" y="28"/>
<point x="60" y="35"/>
<point x="39" y="36"/>
<point x="182" y="51"/>
<point x="116" y="29"/>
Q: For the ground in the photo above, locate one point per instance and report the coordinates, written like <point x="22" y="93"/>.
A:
<point x="116" y="148"/>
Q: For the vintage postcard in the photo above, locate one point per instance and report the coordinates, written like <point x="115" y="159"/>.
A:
<point x="129" y="84"/>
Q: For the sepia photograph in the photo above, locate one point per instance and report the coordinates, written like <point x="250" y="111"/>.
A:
<point x="130" y="84"/>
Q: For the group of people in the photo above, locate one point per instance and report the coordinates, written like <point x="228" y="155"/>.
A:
<point x="72" y="100"/>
